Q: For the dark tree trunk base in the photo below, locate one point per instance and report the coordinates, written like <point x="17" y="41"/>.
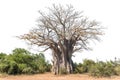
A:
<point x="62" y="65"/>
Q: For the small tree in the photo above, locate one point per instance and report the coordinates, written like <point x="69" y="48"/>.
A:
<point x="64" y="31"/>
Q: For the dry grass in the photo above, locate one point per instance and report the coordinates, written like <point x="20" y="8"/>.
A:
<point x="49" y="76"/>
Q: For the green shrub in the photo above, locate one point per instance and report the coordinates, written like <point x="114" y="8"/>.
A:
<point x="2" y="56"/>
<point x="4" y="68"/>
<point x="109" y="69"/>
<point x="117" y="70"/>
<point x="80" y="68"/>
<point x="83" y="68"/>
<point x="13" y="68"/>
<point x="28" y="70"/>
<point x="41" y="69"/>
<point x="22" y="67"/>
<point x="76" y="68"/>
<point x="102" y="69"/>
<point x="87" y="63"/>
<point x="22" y="61"/>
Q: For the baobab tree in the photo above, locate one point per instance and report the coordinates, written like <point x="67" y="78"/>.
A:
<point x="64" y="31"/>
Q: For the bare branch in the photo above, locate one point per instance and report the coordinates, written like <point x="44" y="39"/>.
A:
<point x="65" y="27"/>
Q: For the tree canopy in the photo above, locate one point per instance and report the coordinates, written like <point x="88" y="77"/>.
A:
<point x="65" y="31"/>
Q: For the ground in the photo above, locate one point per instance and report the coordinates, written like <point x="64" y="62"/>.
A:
<point x="49" y="76"/>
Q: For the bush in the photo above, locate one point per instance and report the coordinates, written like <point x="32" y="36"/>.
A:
<point x="41" y="69"/>
<point x="13" y="68"/>
<point x="98" y="69"/>
<point x="4" y="68"/>
<point x="28" y="70"/>
<point x="87" y="64"/>
<point x="102" y="69"/>
<point x="2" y="56"/>
<point x="22" y="61"/>
<point x="83" y="68"/>
<point x="21" y="67"/>
<point x="80" y="68"/>
<point x="117" y="70"/>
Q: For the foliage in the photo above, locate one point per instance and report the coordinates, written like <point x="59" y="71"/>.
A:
<point x="28" y="70"/>
<point x="22" y="61"/>
<point x="117" y="69"/>
<point x="3" y="67"/>
<point x="105" y="69"/>
<point x="2" y="56"/>
<point x="78" y="68"/>
<point x="84" y="68"/>
<point x="98" y="69"/>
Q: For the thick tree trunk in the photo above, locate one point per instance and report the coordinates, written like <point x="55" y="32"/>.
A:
<point x="62" y="64"/>
<point x="62" y="54"/>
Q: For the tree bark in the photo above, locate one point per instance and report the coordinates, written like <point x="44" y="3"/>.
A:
<point x="62" y="62"/>
<point x="62" y="65"/>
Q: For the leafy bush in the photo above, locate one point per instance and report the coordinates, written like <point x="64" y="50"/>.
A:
<point x="13" y="68"/>
<point x="102" y="69"/>
<point x="39" y="64"/>
<point x="98" y="69"/>
<point x="4" y="67"/>
<point x="87" y="64"/>
<point x="28" y="70"/>
<point x="83" y="68"/>
<point x="22" y="67"/>
<point x="80" y="68"/>
<point x="2" y="56"/>
<point x="117" y="70"/>
<point x="22" y="61"/>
